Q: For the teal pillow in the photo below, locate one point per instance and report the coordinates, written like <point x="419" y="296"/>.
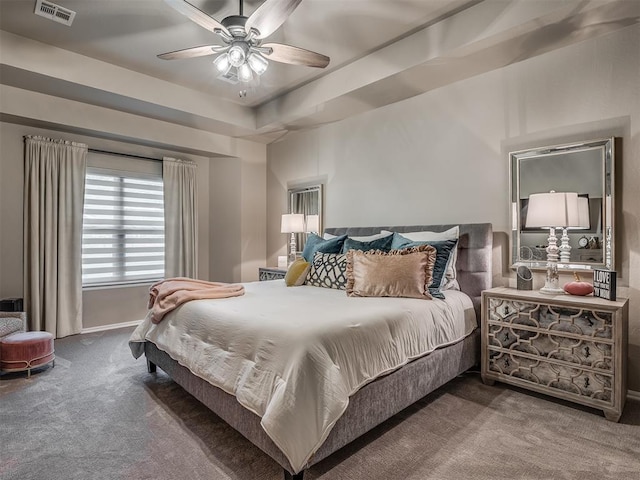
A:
<point x="398" y="241"/>
<point x="316" y="243"/>
<point x="444" y="255"/>
<point x="383" y="244"/>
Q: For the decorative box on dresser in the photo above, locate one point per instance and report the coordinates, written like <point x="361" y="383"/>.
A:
<point x="570" y="347"/>
<point x="271" y="273"/>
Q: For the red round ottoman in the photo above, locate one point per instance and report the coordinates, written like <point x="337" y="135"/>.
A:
<point x="26" y="350"/>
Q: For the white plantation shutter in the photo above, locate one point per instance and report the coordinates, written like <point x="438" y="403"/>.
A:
<point x="123" y="231"/>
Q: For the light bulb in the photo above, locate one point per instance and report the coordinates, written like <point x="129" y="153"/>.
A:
<point x="244" y="73"/>
<point x="236" y="56"/>
<point x="257" y="63"/>
<point x="222" y="63"/>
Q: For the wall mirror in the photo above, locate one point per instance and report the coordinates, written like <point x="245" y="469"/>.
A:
<point x="585" y="168"/>
<point x="308" y="201"/>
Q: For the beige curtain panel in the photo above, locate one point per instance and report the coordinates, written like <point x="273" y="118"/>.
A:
<point x="180" y="223"/>
<point x="53" y="201"/>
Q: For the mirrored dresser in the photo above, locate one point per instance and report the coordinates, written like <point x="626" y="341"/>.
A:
<point x="570" y="347"/>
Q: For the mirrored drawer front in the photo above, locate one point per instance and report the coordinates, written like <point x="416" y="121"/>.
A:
<point x="589" y="323"/>
<point x="270" y="274"/>
<point x="590" y="384"/>
<point x="579" y="351"/>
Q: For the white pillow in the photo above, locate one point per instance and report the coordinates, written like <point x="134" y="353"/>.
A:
<point x="367" y="238"/>
<point x="452" y="234"/>
<point x="450" y="282"/>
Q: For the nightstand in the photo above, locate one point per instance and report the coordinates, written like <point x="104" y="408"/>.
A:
<point x="271" y="273"/>
<point x="570" y="347"/>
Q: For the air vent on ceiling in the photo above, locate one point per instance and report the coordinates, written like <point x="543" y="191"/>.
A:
<point x="54" y="12"/>
<point x="230" y="77"/>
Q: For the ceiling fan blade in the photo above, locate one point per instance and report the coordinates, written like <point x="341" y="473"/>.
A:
<point x="295" y="55"/>
<point x="196" y="15"/>
<point x="193" y="52"/>
<point x="270" y="15"/>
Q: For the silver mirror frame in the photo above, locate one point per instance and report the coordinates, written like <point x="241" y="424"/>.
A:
<point x="607" y="146"/>
<point x="302" y="190"/>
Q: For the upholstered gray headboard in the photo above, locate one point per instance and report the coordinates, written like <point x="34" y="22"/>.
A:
<point x="474" y="252"/>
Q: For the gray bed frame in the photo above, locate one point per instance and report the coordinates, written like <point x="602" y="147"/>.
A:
<point x="382" y="398"/>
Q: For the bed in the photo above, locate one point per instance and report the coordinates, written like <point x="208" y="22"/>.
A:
<point x="348" y="408"/>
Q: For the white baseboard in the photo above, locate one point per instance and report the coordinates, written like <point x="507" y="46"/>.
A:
<point x="633" y="395"/>
<point x="113" y="326"/>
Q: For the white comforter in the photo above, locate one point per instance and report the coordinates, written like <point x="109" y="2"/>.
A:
<point x="294" y="355"/>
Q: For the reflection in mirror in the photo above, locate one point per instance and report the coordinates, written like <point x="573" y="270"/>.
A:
<point x="308" y="201"/>
<point x="584" y="169"/>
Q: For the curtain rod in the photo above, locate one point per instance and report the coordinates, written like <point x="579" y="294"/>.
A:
<point x="141" y="157"/>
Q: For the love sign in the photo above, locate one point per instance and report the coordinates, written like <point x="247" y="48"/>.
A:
<point x="604" y="284"/>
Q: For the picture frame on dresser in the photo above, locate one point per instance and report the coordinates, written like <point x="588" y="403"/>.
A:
<point x="569" y="347"/>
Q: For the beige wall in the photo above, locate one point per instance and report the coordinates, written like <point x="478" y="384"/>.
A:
<point x="218" y="232"/>
<point x="225" y="176"/>
<point x="442" y="157"/>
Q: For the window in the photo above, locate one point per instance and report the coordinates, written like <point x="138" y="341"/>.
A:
<point x="123" y="231"/>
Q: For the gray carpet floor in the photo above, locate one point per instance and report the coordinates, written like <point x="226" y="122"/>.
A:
<point x="99" y="415"/>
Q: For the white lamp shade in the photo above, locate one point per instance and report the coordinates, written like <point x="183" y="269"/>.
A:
<point x="583" y="214"/>
<point x="553" y="210"/>
<point x="313" y="223"/>
<point x="292" y="223"/>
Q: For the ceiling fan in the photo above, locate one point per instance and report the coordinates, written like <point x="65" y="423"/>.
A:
<point x="242" y="37"/>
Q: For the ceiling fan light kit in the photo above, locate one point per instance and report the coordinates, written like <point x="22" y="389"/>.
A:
<point x="242" y="36"/>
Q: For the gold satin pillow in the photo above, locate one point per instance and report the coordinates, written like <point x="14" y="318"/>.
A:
<point x="297" y="273"/>
<point x="399" y="273"/>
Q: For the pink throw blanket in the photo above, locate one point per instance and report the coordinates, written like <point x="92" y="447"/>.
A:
<point x="168" y="294"/>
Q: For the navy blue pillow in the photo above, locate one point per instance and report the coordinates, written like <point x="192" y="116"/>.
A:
<point x="383" y="244"/>
<point x="444" y="252"/>
<point x="316" y="243"/>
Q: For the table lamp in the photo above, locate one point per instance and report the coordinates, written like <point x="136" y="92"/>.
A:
<point x="313" y="224"/>
<point x="554" y="210"/>
<point x="292" y="223"/>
